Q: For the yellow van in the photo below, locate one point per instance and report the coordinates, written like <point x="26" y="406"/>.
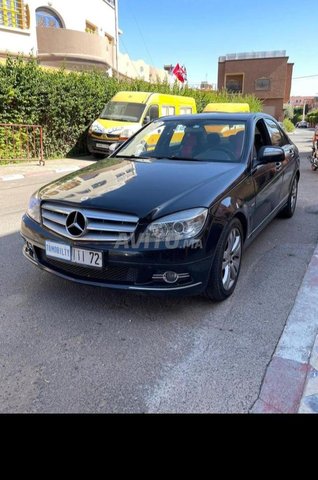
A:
<point x="127" y="112"/>
<point x="227" y="107"/>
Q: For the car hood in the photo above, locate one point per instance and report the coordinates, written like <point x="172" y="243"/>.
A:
<point x="146" y="188"/>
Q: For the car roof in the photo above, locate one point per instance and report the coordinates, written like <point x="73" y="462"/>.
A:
<point x="220" y="116"/>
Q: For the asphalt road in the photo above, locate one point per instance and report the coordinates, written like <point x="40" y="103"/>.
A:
<point x="71" y="348"/>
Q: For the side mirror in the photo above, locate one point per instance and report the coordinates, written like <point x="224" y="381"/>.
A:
<point x="271" y="154"/>
<point x="146" y="120"/>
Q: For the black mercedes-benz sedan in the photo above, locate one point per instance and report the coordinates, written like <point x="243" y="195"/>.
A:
<point x="171" y="209"/>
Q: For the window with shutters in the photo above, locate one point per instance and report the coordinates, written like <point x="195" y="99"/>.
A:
<point x="13" y="14"/>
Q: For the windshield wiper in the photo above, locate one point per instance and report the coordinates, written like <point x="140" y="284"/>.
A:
<point x="175" y="157"/>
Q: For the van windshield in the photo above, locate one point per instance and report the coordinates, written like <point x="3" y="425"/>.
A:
<point x="123" y="111"/>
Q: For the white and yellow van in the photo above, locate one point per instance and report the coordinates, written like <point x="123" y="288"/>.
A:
<point x="227" y="107"/>
<point x="127" y="112"/>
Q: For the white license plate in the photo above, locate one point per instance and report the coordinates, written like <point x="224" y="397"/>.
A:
<point x="102" y="145"/>
<point x="87" y="257"/>
<point x="91" y="258"/>
<point x="58" y="250"/>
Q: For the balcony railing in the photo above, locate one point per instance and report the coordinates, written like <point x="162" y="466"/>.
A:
<point x="60" y="44"/>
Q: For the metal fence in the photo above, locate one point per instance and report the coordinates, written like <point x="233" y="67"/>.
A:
<point x="21" y="143"/>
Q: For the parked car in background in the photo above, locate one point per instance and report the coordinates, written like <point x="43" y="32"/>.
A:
<point x="302" y="124"/>
<point x="127" y="112"/>
<point x="171" y="210"/>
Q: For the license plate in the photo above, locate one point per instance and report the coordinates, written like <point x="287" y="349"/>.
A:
<point x="102" y="145"/>
<point x="58" y="250"/>
<point x="91" y="258"/>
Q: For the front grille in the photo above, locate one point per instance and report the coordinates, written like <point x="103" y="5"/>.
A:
<point x="110" y="273"/>
<point x="101" y="226"/>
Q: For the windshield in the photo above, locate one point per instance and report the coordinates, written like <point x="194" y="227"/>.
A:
<point x="205" y="140"/>
<point x="123" y="111"/>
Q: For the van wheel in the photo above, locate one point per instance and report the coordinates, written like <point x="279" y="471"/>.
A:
<point x="227" y="262"/>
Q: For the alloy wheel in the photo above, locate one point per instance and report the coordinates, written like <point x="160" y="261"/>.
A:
<point x="231" y="258"/>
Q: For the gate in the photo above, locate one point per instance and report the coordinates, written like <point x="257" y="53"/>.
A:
<point x="21" y="143"/>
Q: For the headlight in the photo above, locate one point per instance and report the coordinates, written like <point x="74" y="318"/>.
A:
<point x="96" y="128"/>
<point x="178" y="226"/>
<point x="34" y="208"/>
<point x="127" y="133"/>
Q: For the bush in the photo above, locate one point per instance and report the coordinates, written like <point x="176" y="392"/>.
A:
<point x="288" y="111"/>
<point x="288" y="125"/>
<point x="65" y="103"/>
<point x="312" y="117"/>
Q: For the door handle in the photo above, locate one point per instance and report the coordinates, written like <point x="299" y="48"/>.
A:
<point x="278" y="166"/>
<point x="292" y="152"/>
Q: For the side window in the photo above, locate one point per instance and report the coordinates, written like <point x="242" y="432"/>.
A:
<point x="153" y="112"/>
<point x="167" y="110"/>
<point x="185" y="110"/>
<point x="261" y="137"/>
<point x="277" y="137"/>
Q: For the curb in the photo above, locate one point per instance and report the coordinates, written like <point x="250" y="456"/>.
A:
<point x="290" y="384"/>
<point x="309" y="402"/>
<point x="14" y="177"/>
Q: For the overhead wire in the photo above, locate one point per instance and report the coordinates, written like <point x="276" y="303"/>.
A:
<point x="143" y="39"/>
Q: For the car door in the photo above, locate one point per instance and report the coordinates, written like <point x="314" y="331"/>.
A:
<point x="268" y="179"/>
<point x="280" y="139"/>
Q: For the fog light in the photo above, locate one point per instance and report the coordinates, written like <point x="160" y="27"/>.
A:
<point x="170" y="277"/>
<point x="29" y="249"/>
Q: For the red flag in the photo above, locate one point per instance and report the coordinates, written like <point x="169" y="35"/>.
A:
<point x="180" y="73"/>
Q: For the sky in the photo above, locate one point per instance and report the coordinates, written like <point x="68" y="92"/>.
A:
<point x="195" y="33"/>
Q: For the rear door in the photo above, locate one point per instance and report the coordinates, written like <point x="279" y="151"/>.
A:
<point x="288" y="166"/>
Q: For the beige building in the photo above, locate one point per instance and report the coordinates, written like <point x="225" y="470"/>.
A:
<point x="77" y="34"/>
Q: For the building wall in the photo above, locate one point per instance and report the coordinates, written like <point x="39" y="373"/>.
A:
<point x="299" y="101"/>
<point x="139" y="69"/>
<point x="71" y="46"/>
<point x="275" y="71"/>
<point x="17" y="40"/>
<point x="74" y="14"/>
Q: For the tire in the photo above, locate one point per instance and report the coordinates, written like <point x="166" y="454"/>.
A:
<point x="227" y="262"/>
<point x="289" y="210"/>
<point x="314" y="168"/>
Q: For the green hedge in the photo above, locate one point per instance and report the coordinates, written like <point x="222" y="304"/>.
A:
<point x="65" y="103"/>
<point x="288" y="124"/>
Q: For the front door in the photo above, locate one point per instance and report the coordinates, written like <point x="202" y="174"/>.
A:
<point x="268" y="179"/>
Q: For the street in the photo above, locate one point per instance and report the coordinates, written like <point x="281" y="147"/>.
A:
<point x="68" y="348"/>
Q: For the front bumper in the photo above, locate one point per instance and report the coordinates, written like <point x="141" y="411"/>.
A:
<point x="95" y="145"/>
<point x="126" y="269"/>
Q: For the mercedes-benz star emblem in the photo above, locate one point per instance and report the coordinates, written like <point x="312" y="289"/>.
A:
<point x="76" y="224"/>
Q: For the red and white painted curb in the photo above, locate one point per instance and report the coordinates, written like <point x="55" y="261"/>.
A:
<point x="292" y="375"/>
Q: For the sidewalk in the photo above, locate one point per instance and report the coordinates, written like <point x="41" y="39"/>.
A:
<point x="21" y="170"/>
<point x="290" y="384"/>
